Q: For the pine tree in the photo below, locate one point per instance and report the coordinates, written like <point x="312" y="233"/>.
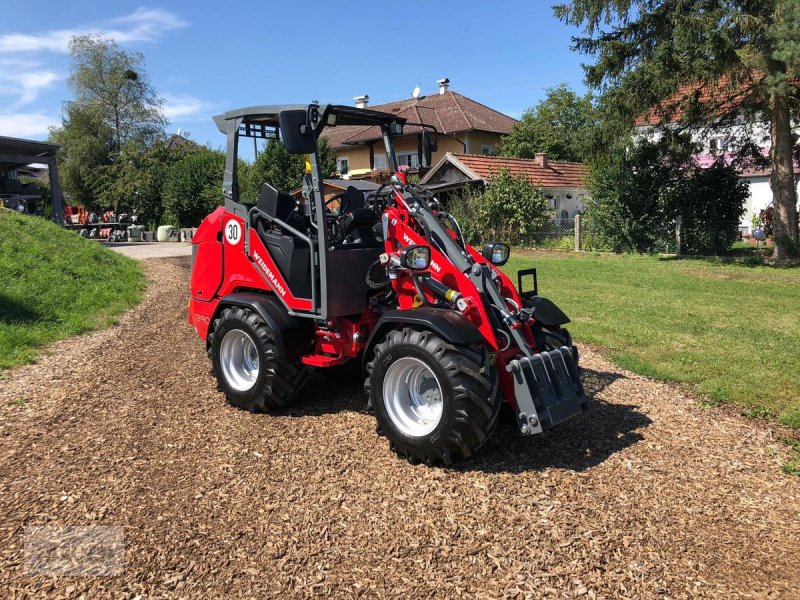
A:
<point x="740" y="54"/>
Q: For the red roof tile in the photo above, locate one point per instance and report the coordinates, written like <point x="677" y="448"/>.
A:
<point x="721" y="99"/>
<point x="555" y="174"/>
<point x="449" y="113"/>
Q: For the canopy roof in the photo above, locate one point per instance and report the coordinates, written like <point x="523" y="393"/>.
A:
<point x="270" y="115"/>
<point x="15" y="152"/>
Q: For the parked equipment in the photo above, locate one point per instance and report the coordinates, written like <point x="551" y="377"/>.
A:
<point x="163" y="232"/>
<point x="387" y="280"/>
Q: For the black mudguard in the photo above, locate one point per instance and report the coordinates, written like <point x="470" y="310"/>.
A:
<point x="449" y="324"/>
<point x="546" y="312"/>
<point x="293" y="336"/>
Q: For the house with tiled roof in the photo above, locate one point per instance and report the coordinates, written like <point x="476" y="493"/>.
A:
<point x="563" y="183"/>
<point x="719" y="102"/>
<point x="463" y="125"/>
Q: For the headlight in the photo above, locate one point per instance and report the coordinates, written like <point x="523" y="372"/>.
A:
<point x="496" y="253"/>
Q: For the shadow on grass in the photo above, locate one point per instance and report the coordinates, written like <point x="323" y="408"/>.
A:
<point x="579" y="444"/>
<point x="741" y="258"/>
<point x="13" y="312"/>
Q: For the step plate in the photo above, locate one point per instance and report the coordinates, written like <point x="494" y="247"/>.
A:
<point x="548" y="389"/>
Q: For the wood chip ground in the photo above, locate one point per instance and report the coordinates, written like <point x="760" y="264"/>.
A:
<point x="645" y="496"/>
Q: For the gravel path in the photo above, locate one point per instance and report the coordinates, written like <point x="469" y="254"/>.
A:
<point x="644" y="496"/>
<point x="143" y="250"/>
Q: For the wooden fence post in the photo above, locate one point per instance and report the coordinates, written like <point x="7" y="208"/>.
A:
<point x="578" y="233"/>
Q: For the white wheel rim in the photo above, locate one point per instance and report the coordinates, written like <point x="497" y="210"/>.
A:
<point x="238" y="357"/>
<point x="412" y="396"/>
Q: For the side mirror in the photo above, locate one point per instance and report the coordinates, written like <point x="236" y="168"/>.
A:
<point x="429" y="146"/>
<point x="496" y="253"/>
<point x="296" y="132"/>
<point x="418" y="257"/>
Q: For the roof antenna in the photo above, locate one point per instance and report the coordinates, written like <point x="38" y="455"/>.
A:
<point x="417" y="90"/>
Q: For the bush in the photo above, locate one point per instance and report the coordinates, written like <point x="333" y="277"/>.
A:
<point x="711" y="204"/>
<point x="637" y="194"/>
<point x="511" y="209"/>
<point x="193" y="188"/>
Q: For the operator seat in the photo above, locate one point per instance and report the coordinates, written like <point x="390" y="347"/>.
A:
<point x="280" y="205"/>
<point x="290" y="252"/>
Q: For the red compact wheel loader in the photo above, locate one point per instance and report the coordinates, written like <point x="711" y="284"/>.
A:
<point x="382" y="279"/>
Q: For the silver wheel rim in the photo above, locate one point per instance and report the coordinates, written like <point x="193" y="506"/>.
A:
<point x="413" y="396"/>
<point x="238" y="357"/>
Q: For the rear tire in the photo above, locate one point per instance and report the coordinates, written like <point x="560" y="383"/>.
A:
<point x="246" y="363"/>
<point x="434" y="401"/>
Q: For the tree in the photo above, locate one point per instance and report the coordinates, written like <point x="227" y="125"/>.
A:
<point x="560" y="125"/>
<point x="86" y="144"/>
<point x="736" y="53"/>
<point x="193" y="188"/>
<point x="114" y="106"/>
<point x="282" y="170"/>
<point x="136" y="181"/>
<point x="113" y="84"/>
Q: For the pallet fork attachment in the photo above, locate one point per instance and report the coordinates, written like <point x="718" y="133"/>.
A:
<point x="548" y="389"/>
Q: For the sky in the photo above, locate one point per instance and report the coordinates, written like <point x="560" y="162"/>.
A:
<point x="206" y="58"/>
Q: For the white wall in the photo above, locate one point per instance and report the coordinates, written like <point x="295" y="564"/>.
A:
<point x="759" y="199"/>
<point x="571" y="205"/>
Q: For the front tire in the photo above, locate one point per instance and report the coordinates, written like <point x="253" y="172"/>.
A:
<point x="550" y="338"/>
<point x="249" y="370"/>
<point x="434" y="401"/>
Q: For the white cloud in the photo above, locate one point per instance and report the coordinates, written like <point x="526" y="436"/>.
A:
<point x="142" y="25"/>
<point x="26" y="125"/>
<point x="181" y="106"/>
<point x="27" y="86"/>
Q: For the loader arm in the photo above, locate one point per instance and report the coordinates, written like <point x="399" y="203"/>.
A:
<point x="546" y="384"/>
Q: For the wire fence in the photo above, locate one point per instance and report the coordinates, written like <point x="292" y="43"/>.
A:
<point x="689" y="236"/>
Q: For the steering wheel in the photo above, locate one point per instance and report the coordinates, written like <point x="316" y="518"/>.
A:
<point x="344" y="203"/>
<point x="336" y="232"/>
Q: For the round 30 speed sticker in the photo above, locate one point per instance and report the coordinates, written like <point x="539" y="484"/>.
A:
<point x="233" y="231"/>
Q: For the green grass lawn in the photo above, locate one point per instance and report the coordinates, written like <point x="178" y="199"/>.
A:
<point x="54" y="284"/>
<point x="731" y="331"/>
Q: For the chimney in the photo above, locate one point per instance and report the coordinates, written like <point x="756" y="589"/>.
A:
<point x="540" y="158"/>
<point x="443" y="85"/>
<point x="362" y="101"/>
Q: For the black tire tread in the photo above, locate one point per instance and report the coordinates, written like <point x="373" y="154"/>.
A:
<point x="288" y="378"/>
<point x="476" y="401"/>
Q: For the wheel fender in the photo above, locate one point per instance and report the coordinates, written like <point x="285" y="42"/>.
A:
<point x="293" y="336"/>
<point x="546" y="312"/>
<point x="452" y="326"/>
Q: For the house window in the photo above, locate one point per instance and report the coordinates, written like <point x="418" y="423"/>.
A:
<point x="556" y="203"/>
<point x="408" y="158"/>
<point x="342" y="165"/>
<point x="380" y="162"/>
<point x="487" y="150"/>
<point x="716" y="145"/>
